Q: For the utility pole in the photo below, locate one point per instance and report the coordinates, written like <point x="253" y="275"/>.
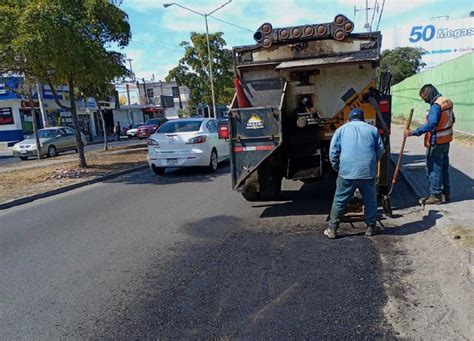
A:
<point x="144" y="91"/>
<point x="367" y="26"/>
<point x="128" y="99"/>
<point x="39" y="90"/>
<point x="131" y="70"/>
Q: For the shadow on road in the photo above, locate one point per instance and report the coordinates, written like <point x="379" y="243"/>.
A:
<point x="428" y="222"/>
<point x="461" y="183"/>
<point x="174" y="176"/>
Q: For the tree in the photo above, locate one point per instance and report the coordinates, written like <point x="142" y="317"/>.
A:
<point x="62" y="42"/>
<point x="402" y="62"/>
<point x="193" y="69"/>
<point x="100" y="84"/>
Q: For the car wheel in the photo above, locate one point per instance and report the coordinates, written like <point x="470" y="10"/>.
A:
<point x="158" y="170"/>
<point x="23" y="158"/>
<point x="52" y="152"/>
<point x="213" y="162"/>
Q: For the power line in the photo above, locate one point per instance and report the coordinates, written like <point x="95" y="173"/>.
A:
<point x="380" y="16"/>
<point x="376" y="8"/>
<point x="231" y="24"/>
<point x="136" y="41"/>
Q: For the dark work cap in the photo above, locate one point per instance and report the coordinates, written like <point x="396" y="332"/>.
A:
<point x="356" y="114"/>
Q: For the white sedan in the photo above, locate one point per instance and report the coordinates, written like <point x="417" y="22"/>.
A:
<point x="187" y="142"/>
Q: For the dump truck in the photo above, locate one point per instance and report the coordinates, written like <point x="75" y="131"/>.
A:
<point x="294" y="88"/>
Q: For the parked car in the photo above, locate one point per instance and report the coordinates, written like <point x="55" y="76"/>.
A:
<point x="187" y="142"/>
<point x="52" y="141"/>
<point x="132" y="132"/>
<point x="150" y="126"/>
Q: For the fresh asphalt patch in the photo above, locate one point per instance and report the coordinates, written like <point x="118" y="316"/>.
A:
<point x="262" y="285"/>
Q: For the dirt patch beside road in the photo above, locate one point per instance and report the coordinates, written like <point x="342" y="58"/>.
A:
<point x="427" y="279"/>
<point x="18" y="183"/>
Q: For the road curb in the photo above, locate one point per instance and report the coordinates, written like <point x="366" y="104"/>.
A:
<point x="30" y="198"/>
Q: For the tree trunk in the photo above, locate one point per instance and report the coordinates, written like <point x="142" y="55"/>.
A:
<point x="104" y="130"/>
<point x="35" y="126"/>
<point x="75" y="121"/>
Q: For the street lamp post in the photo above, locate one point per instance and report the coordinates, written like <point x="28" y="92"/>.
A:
<point x="205" y="15"/>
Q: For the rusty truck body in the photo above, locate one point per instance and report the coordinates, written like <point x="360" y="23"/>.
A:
<point x="294" y="88"/>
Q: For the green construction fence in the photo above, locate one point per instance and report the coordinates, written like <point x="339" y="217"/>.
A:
<point x="454" y="79"/>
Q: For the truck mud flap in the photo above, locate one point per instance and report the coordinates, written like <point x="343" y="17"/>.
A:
<point x="255" y="134"/>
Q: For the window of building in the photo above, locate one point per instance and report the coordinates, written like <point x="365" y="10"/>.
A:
<point x="6" y="116"/>
<point x="175" y="91"/>
<point x="150" y="93"/>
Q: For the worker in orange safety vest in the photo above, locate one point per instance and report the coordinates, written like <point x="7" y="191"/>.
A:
<point x="438" y="131"/>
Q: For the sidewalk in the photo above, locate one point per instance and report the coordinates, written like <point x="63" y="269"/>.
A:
<point x="459" y="213"/>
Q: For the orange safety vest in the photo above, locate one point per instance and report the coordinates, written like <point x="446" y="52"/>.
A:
<point x="444" y="128"/>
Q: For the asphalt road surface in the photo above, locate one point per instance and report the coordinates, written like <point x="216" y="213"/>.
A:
<point x="183" y="257"/>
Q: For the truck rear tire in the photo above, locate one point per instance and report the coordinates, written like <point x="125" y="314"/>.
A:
<point x="251" y="196"/>
<point x="271" y="188"/>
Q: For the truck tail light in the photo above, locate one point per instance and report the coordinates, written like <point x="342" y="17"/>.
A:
<point x="197" y="139"/>
<point x="384" y="106"/>
<point x="223" y="132"/>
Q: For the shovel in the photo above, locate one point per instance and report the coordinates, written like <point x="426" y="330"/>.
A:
<point x="386" y="204"/>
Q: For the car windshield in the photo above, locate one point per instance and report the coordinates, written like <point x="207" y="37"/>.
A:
<point x="46" y="133"/>
<point x="136" y="125"/>
<point x="153" y="121"/>
<point x="179" y="127"/>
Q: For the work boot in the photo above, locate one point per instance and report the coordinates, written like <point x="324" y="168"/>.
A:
<point x="330" y="233"/>
<point x="446" y="197"/>
<point x="372" y="230"/>
<point x="432" y="200"/>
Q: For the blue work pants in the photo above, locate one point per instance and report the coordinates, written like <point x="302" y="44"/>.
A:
<point x="437" y="169"/>
<point x="345" y="189"/>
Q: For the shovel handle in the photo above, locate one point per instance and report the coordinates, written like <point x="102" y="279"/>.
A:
<point x="402" y="148"/>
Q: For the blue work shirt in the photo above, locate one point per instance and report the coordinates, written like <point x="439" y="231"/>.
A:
<point x="433" y="118"/>
<point x="355" y="148"/>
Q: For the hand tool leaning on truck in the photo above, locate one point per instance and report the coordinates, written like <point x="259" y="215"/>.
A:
<point x="438" y="131"/>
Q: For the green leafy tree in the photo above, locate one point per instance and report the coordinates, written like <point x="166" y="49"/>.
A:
<point x="402" y="62"/>
<point x="62" y="42"/>
<point x="193" y="69"/>
<point x="99" y="86"/>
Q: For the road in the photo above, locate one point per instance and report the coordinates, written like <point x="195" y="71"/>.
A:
<point x="184" y="257"/>
<point x="5" y="154"/>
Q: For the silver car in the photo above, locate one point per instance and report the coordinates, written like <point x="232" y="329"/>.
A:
<point x="52" y="141"/>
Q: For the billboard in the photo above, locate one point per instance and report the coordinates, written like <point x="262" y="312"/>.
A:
<point x="442" y="39"/>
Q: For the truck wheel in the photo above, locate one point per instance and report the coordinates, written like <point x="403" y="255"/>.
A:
<point x="271" y="188"/>
<point x="251" y="196"/>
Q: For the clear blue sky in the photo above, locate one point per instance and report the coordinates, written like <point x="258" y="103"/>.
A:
<point x="157" y="31"/>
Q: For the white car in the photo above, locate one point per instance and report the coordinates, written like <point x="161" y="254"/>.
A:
<point x="187" y="142"/>
<point x="132" y="132"/>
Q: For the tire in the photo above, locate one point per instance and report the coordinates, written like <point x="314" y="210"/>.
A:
<point x="251" y="196"/>
<point x="270" y="189"/>
<point x="213" y="162"/>
<point x="158" y="170"/>
<point x="23" y="158"/>
<point x="52" y="151"/>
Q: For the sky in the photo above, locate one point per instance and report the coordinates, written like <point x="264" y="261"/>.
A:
<point x="158" y="31"/>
